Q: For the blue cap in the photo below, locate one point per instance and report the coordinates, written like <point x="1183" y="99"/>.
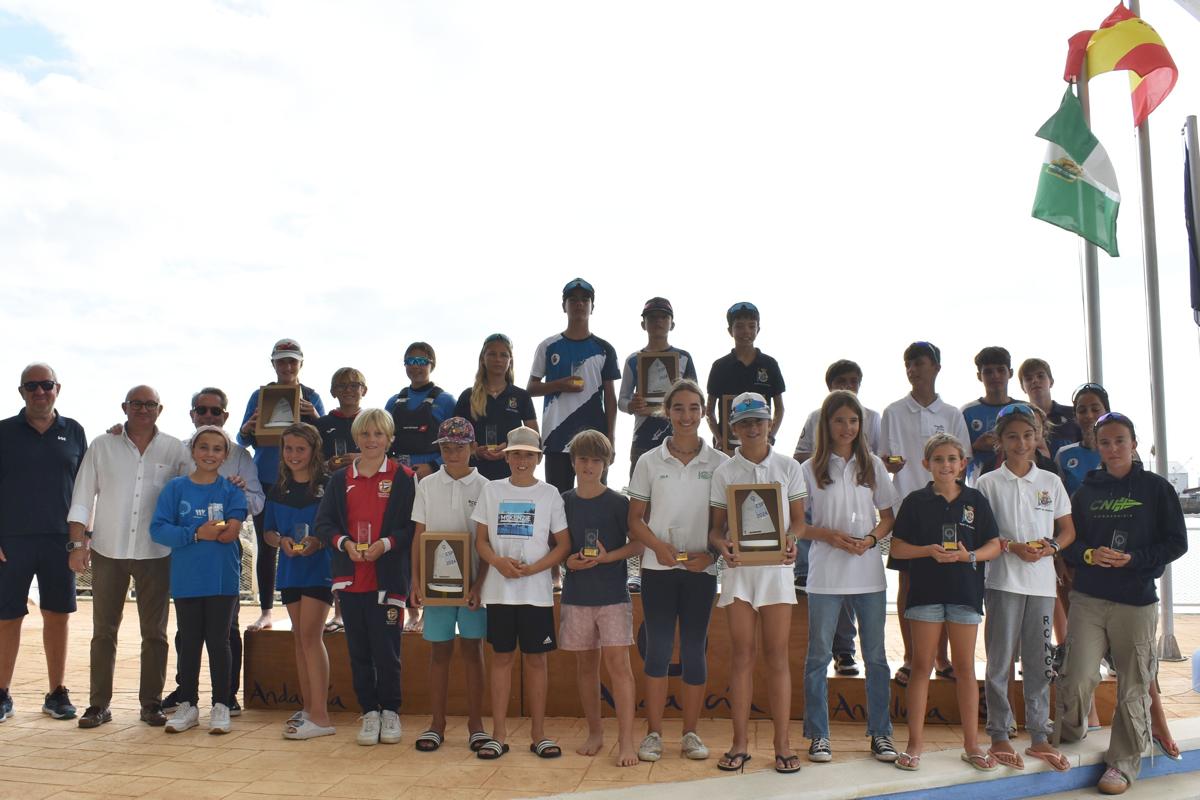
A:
<point x="741" y="309"/>
<point x="578" y="283"/>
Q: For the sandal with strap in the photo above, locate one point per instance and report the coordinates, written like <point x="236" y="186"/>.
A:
<point x="477" y="740"/>
<point x="1052" y="757"/>
<point x="908" y="763"/>
<point x="733" y="762"/>
<point x="787" y="764"/>
<point x="546" y="748"/>
<point x="491" y="750"/>
<point x="428" y="741"/>
<point x="1010" y="760"/>
<point x="905" y="673"/>
<point x="980" y="761"/>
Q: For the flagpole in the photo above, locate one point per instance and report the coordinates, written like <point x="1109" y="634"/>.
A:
<point x="1091" y="270"/>
<point x="1168" y="648"/>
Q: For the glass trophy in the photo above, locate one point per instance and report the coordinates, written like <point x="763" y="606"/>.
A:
<point x="1120" y="540"/>
<point x="339" y="448"/>
<point x="679" y="541"/>
<point x="216" y="513"/>
<point x="299" y="534"/>
<point x="362" y="537"/>
<point x="591" y="543"/>
<point x="950" y="536"/>
<point x="1035" y="543"/>
<point x="577" y="373"/>
<point x="490" y="437"/>
<point x="514" y="547"/>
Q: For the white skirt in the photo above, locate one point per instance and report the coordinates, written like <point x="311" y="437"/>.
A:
<point x="758" y="586"/>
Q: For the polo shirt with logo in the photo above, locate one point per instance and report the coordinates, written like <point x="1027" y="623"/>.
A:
<point x="366" y="501"/>
<point x="1075" y="461"/>
<point x="1025" y="508"/>
<point x="37" y="474"/>
<point x="565" y="414"/>
<point x="445" y="505"/>
<point x="906" y="427"/>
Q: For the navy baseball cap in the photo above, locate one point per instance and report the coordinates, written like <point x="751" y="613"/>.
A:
<point x="742" y="309"/>
<point x="658" y="304"/>
<point x="578" y="283"/>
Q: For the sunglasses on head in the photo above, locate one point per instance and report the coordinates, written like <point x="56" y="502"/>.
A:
<point x="748" y="405"/>
<point x="1089" y="388"/>
<point x="417" y="361"/>
<point x="138" y="405"/>
<point x="739" y="307"/>
<point x="33" y="386"/>
<point x="1112" y="416"/>
<point x="214" y="411"/>
<point x="1015" y="408"/>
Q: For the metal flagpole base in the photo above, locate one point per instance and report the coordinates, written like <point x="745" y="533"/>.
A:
<point x="1168" y="649"/>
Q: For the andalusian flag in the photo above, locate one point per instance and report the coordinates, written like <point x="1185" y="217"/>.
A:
<point x="1077" y="189"/>
<point x="1124" y="41"/>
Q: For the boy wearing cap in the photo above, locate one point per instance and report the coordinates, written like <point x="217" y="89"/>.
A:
<point x="575" y="371"/>
<point x="1036" y="381"/>
<point x="745" y="369"/>
<point x="993" y="368"/>
<point x="520" y="532"/>
<point x="444" y="503"/>
<point x="904" y="429"/>
<point x="287" y="358"/>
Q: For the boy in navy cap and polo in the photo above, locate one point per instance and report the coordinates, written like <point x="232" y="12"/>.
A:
<point x="575" y="371"/>
<point x="745" y="369"/>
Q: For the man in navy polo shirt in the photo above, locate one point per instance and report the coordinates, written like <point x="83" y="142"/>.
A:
<point x="40" y="452"/>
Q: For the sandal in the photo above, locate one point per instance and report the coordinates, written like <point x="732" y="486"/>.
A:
<point x="428" y="741"/>
<point x="905" y="673"/>
<point x="980" y="761"/>
<point x="307" y="729"/>
<point x="477" y="740"/>
<point x="1052" y="757"/>
<point x="733" y="762"/>
<point x="333" y="626"/>
<point x="1010" y="760"/>
<point x="908" y="763"/>
<point x="1171" y="752"/>
<point x="947" y="673"/>
<point x="491" y="750"/>
<point x="787" y="764"/>
<point x="546" y="748"/>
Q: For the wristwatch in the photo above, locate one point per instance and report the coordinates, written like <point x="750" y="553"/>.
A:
<point x="71" y="546"/>
<point x="1087" y="557"/>
<point x="971" y="558"/>
<point x="874" y="540"/>
<point x="1057" y="547"/>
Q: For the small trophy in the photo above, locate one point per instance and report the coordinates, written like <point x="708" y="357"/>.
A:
<point x="216" y="513"/>
<point x="339" y="448"/>
<point x="677" y="539"/>
<point x="950" y="536"/>
<point x="514" y="548"/>
<point x="490" y="437"/>
<point x="299" y="534"/>
<point x="362" y="537"/>
<point x="404" y="458"/>
<point x="1120" y="540"/>
<point x="1035" y="544"/>
<point x="577" y="373"/>
<point x="591" y="543"/>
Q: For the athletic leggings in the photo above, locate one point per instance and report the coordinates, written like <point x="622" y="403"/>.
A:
<point x="264" y="565"/>
<point x="676" y="594"/>
<point x="204" y="621"/>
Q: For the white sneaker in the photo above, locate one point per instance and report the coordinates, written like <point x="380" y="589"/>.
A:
<point x="692" y="746"/>
<point x="368" y="734"/>
<point x="218" y="719"/>
<point x="651" y="747"/>
<point x="390" y="732"/>
<point x="186" y="716"/>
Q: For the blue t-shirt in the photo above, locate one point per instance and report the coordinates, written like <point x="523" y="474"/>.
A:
<point x="981" y="419"/>
<point x="565" y="414"/>
<point x="284" y="511"/>
<point x="204" y="568"/>
<point x="443" y="409"/>
<point x="266" y="457"/>
<point x="1074" y="462"/>
<point x="649" y="432"/>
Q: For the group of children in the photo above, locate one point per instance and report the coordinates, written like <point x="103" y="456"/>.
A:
<point x="945" y="490"/>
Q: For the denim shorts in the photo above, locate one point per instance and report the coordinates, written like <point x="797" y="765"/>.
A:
<point x="944" y="612"/>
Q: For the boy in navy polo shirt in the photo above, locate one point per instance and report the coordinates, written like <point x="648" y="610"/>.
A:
<point x="575" y="371"/>
<point x="993" y="368"/>
<point x="745" y="369"/>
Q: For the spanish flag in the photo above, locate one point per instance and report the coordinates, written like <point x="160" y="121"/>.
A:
<point x="1124" y="41"/>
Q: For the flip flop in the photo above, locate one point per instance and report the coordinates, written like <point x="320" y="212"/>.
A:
<point x="428" y="741"/>
<point x="908" y="763"/>
<point x="1161" y="743"/>
<point x="906" y="672"/>
<point x="333" y="626"/>
<point x="980" y="761"/>
<point x="1010" y="760"/>
<point x="491" y="750"/>
<point x="546" y="748"/>
<point x="307" y="729"/>
<point x="947" y="673"/>
<point x="790" y="763"/>
<point x="1057" y="760"/>
<point x="733" y="762"/>
<point x="477" y="740"/>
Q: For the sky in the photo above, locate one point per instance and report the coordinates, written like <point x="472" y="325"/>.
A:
<point x="183" y="183"/>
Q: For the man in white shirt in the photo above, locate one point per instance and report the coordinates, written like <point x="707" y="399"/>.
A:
<point x="117" y="489"/>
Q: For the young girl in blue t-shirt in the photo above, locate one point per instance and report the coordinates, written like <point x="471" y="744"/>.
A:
<point x="199" y="517"/>
<point x="304" y="575"/>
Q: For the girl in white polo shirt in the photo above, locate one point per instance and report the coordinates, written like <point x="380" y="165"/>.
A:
<point x="847" y="488"/>
<point x="679" y="573"/>
<point x="752" y="594"/>
<point x="1033" y="514"/>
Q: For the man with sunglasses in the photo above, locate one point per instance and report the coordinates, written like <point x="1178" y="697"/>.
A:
<point x="40" y="452"/>
<point x="116" y="491"/>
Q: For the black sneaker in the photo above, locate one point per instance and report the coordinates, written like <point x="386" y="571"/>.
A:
<point x="5" y="705"/>
<point x="171" y="702"/>
<point x="235" y="708"/>
<point x="844" y="665"/>
<point x="802" y="584"/>
<point x="58" y="704"/>
<point x="883" y="749"/>
<point x="819" y="752"/>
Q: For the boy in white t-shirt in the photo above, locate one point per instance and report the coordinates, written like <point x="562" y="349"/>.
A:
<point x="444" y="503"/>
<point x="517" y="521"/>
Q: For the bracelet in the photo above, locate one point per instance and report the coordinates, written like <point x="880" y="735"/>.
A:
<point x="874" y="540"/>
<point x="1057" y="547"/>
<point x="1005" y="545"/>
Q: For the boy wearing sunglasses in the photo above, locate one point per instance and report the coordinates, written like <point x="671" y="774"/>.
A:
<point x="417" y="411"/>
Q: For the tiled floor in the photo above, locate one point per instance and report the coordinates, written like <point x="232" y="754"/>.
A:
<point x="44" y="758"/>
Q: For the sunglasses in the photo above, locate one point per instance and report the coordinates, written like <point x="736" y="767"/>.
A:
<point x="1112" y="416"/>
<point x="138" y="405"/>
<point x="417" y="361"/>
<point x="739" y="307"/>
<point x="1090" y="388"/>
<point x="213" y="411"/>
<point x="341" y="387"/>
<point x="1016" y="408"/>
<point x="497" y="337"/>
<point x="33" y="386"/>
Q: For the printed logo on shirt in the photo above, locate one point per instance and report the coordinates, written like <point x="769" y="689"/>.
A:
<point x="1043" y="498"/>
<point x="977" y="425"/>
<point x="385" y="488"/>
<point x="968" y="516"/>
<point x="548" y="640"/>
<point x="1072" y="463"/>
<point x="512" y="404"/>
<point x="1115" y="504"/>
<point x="61" y="438"/>
<point x="471" y="504"/>
<point x="762" y="376"/>
<point x="320" y="491"/>
<point x="706" y="475"/>
<point x="554" y="359"/>
<point x="393" y="616"/>
<point x="939" y="429"/>
<point x="515" y="518"/>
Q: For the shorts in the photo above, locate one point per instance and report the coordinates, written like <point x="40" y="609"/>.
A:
<point x="944" y="612"/>
<point x="593" y="627"/>
<point x="758" y="586"/>
<point x="292" y="594"/>
<point x="532" y="626"/>
<point x="45" y="557"/>
<point x="440" y="622"/>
